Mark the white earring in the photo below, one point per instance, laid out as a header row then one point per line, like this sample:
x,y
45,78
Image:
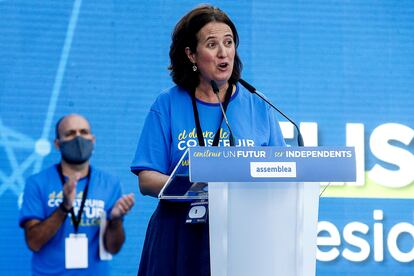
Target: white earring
x,y
194,67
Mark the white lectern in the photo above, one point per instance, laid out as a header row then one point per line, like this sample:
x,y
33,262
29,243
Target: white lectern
x,y
263,204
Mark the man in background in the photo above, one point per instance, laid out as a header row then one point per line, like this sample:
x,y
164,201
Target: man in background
x,y
72,213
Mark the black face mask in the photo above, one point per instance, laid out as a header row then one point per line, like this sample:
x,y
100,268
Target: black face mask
x,y
76,151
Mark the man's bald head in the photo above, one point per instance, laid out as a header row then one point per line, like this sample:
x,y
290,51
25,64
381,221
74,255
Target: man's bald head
x,y
72,125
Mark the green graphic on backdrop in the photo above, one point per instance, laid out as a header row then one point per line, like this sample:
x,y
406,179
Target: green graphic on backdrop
x,y
370,189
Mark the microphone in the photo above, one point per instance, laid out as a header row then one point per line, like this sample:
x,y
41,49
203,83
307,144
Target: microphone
x,y
216,91
254,91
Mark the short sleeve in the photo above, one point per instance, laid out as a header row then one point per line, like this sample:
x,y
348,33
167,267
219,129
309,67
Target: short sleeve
x,y
32,206
153,149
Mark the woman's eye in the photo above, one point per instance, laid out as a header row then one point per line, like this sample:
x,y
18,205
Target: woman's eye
x,y
228,42
211,45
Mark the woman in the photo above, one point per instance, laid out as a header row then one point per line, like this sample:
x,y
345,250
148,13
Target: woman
x,y
203,48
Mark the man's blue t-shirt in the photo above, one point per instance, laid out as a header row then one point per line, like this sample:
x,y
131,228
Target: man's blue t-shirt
x,y
43,194
170,127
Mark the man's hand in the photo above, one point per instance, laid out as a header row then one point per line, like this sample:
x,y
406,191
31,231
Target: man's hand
x,y
122,206
114,233
37,232
69,190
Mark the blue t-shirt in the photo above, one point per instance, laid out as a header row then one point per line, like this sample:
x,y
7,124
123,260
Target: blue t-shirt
x,y
43,194
170,127
168,131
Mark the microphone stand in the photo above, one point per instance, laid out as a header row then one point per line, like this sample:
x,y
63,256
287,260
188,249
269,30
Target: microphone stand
x,y
253,90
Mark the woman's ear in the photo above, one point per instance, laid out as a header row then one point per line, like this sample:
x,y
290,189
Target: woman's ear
x,y
190,55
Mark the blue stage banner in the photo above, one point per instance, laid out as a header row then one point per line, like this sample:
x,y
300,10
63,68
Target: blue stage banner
x,y
375,237
343,70
268,164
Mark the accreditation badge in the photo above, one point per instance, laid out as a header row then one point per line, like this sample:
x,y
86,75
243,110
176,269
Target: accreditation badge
x,y
103,254
76,251
198,212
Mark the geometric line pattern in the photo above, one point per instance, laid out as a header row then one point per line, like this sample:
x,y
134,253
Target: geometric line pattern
x,y
12,140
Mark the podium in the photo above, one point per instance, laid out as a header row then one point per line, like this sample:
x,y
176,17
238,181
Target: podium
x,y
263,203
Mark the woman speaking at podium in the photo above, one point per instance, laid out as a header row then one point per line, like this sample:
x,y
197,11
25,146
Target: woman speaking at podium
x,y
203,49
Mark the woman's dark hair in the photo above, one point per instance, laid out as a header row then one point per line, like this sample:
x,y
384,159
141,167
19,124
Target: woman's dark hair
x,y
185,35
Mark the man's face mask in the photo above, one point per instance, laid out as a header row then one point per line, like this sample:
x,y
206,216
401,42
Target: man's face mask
x,y
76,151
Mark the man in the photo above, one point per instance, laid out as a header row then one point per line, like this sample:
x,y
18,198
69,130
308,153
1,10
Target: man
x,y
65,205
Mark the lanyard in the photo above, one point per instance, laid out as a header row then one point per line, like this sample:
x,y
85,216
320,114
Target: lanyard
x,y
200,136
76,220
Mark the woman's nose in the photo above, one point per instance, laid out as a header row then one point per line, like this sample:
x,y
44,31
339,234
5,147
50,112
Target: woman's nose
x,y
222,52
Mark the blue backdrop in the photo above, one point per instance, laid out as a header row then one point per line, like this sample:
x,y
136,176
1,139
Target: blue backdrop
x,y
332,63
